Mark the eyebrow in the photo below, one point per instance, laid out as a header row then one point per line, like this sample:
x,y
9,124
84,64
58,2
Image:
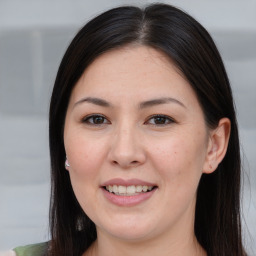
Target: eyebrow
x,y
153,102
96,101
144,104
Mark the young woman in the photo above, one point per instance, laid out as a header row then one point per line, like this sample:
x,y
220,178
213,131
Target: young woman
x,y
142,115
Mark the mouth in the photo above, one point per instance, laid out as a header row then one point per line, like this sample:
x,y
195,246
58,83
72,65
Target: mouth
x,y
131,190
128,193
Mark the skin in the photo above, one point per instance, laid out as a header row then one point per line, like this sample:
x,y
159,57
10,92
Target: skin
x,y
171,152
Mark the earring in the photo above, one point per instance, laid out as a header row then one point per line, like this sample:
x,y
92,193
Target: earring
x,y
67,163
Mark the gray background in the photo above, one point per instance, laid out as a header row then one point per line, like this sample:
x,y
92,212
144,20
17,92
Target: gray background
x,y
33,37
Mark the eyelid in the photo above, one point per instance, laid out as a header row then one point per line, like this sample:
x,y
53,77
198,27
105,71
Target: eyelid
x,y
86,118
170,119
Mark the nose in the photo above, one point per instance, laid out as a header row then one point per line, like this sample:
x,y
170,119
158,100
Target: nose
x,y
127,149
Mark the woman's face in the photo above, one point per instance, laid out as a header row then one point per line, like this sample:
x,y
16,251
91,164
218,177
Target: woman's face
x,y
136,141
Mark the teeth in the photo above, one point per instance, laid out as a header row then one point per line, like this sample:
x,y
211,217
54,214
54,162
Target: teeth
x,y
129,190
115,189
138,189
121,189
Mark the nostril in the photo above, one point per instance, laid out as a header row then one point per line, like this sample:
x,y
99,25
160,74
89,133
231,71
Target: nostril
x,y
132,163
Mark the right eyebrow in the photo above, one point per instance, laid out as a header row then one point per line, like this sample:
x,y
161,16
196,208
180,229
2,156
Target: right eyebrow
x,y
159,101
96,101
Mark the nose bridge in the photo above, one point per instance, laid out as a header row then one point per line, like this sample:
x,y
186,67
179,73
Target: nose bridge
x,y
126,149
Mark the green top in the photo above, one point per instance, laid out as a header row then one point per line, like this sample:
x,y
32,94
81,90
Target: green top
x,y
32,250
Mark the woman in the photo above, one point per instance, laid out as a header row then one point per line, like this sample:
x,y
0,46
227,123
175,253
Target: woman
x,y
142,115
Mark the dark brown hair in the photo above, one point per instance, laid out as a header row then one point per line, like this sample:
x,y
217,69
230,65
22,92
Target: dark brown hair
x,y
190,47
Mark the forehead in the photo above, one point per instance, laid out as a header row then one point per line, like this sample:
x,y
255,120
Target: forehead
x,y
133,59
131,72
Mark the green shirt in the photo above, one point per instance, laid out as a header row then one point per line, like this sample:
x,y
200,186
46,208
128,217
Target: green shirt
x,y
32,250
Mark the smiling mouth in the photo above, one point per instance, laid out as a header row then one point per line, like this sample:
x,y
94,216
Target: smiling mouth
x,y
128,190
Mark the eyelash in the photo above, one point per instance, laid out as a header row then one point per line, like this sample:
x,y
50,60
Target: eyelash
x,y
87,118
94,116
166,118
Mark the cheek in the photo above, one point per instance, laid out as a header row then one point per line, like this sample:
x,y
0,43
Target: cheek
x,y
180,159
85,156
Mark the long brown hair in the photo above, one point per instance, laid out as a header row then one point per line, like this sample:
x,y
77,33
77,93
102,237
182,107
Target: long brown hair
x,y
190,47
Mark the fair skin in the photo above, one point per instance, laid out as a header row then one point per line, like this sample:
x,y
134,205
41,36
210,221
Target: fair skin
x,y
112,132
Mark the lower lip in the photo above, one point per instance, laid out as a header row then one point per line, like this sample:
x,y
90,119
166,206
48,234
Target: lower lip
x,y
127,200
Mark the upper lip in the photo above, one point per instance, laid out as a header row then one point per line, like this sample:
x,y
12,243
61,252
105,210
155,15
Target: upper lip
x,y
128,182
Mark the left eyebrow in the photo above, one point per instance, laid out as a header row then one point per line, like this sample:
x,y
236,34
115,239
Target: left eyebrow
x,y
153,102
96,101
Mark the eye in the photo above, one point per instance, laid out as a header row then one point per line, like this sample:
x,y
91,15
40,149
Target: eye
x,y
160,120
95,120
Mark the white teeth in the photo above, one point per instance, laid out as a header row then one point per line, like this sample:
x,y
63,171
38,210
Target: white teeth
x,y
121,189
138,189
129,190
109,188
115,189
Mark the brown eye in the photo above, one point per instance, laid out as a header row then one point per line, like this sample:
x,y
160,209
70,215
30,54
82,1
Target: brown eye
x,y
95,120
98,120
160,120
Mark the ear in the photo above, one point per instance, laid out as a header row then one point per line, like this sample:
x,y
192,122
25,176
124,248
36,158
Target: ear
x,y
217,145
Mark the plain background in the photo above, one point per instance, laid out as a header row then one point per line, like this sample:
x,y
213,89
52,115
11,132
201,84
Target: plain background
x,y
33,37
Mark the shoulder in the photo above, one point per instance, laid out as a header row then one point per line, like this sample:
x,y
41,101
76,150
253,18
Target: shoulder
x,y
31,250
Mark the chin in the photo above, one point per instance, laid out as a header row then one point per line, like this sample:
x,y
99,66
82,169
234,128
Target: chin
x,y
131,235
130,231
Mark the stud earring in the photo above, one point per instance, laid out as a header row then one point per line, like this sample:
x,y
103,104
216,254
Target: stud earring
x,y
67,163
